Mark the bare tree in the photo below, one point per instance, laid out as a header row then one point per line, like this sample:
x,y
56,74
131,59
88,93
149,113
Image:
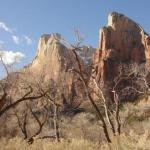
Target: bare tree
x,y
129,72
81,74
9,103
22,123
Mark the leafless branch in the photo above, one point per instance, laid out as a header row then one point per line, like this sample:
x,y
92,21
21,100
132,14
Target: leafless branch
x,y
26,97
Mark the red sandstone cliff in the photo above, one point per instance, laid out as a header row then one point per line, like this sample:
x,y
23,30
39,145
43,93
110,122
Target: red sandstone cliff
x,y
121,41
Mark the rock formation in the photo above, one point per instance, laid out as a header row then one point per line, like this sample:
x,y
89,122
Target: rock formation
x,y
121,41
51,65
53,57
49,71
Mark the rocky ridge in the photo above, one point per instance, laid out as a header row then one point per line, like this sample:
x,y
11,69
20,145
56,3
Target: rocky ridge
x,y
122,41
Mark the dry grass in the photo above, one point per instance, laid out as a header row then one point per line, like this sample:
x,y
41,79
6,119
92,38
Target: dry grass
x,y
18,144
132,141
83,132
136,117
123,142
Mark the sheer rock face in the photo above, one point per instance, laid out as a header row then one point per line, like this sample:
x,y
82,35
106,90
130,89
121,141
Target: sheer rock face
x,y
146,43
121,41
53,57
53,61
50,67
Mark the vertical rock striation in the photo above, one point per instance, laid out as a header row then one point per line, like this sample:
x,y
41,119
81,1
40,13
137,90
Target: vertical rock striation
x,y
121,41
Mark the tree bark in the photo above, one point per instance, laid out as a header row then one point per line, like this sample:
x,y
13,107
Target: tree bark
x,y
56,124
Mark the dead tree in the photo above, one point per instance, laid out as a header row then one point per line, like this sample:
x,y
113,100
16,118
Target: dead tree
x,y
22,123
112,114
105,105
56,124
28,95
81,74
23,120
25,97
10,104
51,98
